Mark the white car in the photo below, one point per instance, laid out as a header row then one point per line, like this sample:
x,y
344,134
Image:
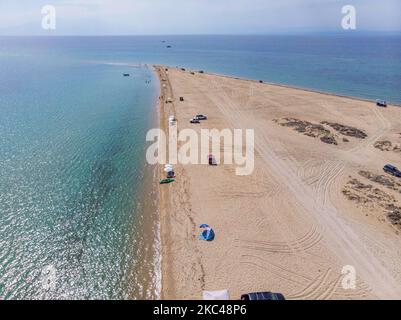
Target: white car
x,y
200,117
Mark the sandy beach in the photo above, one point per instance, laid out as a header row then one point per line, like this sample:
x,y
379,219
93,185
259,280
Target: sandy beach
x,y
317,201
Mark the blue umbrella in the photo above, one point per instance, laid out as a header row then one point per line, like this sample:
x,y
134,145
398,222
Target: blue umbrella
x,y
207,234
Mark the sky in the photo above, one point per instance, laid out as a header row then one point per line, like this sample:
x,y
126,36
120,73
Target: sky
x,y
162,17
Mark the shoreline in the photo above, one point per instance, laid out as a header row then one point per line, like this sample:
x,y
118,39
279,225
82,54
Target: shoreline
x,y
288,86
285,208
163,195
157,247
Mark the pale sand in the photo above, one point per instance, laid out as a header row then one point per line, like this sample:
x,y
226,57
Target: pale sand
x,y
287,227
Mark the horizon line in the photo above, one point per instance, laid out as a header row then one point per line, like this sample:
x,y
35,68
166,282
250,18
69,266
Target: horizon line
x,y
332,32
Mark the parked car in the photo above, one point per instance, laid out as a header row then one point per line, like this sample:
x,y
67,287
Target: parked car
x,y
194,121
212,160
381,103
392,170
200,117
172,120
262,296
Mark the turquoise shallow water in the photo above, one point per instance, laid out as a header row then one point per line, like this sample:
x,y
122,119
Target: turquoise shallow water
x,y
72,144
71,160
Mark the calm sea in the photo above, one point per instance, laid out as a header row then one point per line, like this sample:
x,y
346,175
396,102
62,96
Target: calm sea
x,y
75,219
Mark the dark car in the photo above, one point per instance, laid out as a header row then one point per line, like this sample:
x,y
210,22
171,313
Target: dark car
x,y
392,170
194,121
262,296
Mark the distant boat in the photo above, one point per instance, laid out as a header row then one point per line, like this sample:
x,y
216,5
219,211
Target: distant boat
x,y
126,74
168,47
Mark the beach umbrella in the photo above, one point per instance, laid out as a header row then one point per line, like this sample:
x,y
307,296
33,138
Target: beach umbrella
x,y
207,234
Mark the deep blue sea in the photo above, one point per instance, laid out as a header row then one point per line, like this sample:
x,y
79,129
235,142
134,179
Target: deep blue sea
x,y
74,220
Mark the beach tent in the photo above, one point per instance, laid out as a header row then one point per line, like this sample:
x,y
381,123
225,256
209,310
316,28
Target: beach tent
x,y
216,295
207,234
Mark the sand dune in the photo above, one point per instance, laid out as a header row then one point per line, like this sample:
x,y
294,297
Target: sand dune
x,y
291,226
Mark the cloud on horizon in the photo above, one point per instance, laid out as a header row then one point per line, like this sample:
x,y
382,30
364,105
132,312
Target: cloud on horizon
x,y
107,17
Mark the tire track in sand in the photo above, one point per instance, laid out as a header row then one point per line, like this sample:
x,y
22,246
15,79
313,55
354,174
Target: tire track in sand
x,y
308,241
340,238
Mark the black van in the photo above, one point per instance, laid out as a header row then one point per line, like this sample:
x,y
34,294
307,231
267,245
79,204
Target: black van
x,y
262,296
392,170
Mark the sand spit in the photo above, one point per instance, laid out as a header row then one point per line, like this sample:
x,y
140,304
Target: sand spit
x,y
289,227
